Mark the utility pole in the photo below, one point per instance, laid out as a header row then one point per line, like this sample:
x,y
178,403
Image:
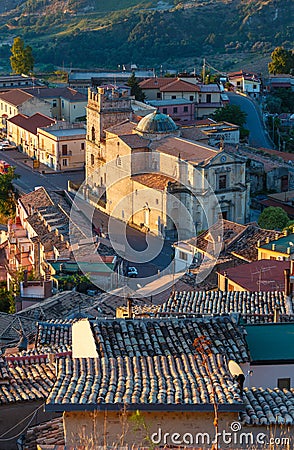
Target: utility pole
x,y
203,71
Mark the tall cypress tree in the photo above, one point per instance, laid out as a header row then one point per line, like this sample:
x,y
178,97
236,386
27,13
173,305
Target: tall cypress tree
x,y
136,90
21,59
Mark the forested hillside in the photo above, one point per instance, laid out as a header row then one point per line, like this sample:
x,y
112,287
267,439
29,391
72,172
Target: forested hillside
x,y
89,33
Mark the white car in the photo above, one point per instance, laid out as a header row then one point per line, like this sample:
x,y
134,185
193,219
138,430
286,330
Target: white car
x,y
132,272
4,145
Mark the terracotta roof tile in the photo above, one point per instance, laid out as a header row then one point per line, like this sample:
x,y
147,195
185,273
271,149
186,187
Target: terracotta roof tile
x,y
33,122
155,83
135,141
268,406
36,199
153,180
45,433
253,306
180,86
142,380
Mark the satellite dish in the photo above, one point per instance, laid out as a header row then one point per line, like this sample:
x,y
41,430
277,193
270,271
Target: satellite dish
x,y
235,369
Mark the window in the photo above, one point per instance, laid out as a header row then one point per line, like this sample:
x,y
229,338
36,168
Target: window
x,y
82,146
208,98
93,133
185,108
238,83
118,160
284,383
175,110
92,159
64,149
54,103
191,98
173,97
254,86
158,95
222,182
183,256
164,110
62,103
64,162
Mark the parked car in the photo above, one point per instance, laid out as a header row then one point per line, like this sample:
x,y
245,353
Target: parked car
x,y
132,272
4,145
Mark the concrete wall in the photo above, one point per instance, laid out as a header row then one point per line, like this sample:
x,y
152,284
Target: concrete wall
x,y
267,375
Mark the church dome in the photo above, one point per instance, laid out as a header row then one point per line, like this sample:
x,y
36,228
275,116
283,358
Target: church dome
x,y
156,123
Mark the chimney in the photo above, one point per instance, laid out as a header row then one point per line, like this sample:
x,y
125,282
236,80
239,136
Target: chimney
x,y
287,282
267,240
277,315
276,236
129,308
258,243
273,246
25,278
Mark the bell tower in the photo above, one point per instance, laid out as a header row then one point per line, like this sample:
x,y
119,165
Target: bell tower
x,y
104,109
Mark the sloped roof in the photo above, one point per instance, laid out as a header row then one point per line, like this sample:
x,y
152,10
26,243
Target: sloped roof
x,y
180,86
264,406
168,337
155,83
29,378
45,433
188,150
153,180
15,97
33,122
145,382
37,199
262,275
62,92
253,306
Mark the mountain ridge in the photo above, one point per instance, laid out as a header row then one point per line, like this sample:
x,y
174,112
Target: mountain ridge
x,y
88,33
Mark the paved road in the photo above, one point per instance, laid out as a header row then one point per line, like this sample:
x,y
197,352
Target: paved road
x,y
258,136
29,178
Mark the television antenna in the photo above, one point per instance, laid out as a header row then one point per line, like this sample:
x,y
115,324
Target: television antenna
x,y
259,273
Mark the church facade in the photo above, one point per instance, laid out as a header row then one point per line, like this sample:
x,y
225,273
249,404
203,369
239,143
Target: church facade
x,y
147,174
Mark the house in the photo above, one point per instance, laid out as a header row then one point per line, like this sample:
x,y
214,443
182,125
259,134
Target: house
x,y
225,239
25,382
62,146
262,275
66,103
281,248
82,80
17,101
181,110
164,163
272,362
279,81
175,368
247,82
206,98
8,82
22,130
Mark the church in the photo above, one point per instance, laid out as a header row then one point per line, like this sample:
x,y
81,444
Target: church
x,y
154,175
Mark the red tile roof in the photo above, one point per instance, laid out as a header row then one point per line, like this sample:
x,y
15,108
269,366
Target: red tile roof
x,y
153,180
180,86
62,92
15,97
155,83
31,124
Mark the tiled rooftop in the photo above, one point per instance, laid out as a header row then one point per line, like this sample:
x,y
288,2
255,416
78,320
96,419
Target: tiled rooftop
x,y
33,122
37,199
268,406
154,337
29,378
46,433
153,180
143,380
15,97
253,306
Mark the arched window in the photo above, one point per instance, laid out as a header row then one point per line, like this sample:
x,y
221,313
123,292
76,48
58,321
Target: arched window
x,y
93,133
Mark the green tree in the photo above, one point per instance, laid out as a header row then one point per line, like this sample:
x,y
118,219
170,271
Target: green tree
x,y
273,218
7,304
7,200
21,60
232,114
136,89
282,61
